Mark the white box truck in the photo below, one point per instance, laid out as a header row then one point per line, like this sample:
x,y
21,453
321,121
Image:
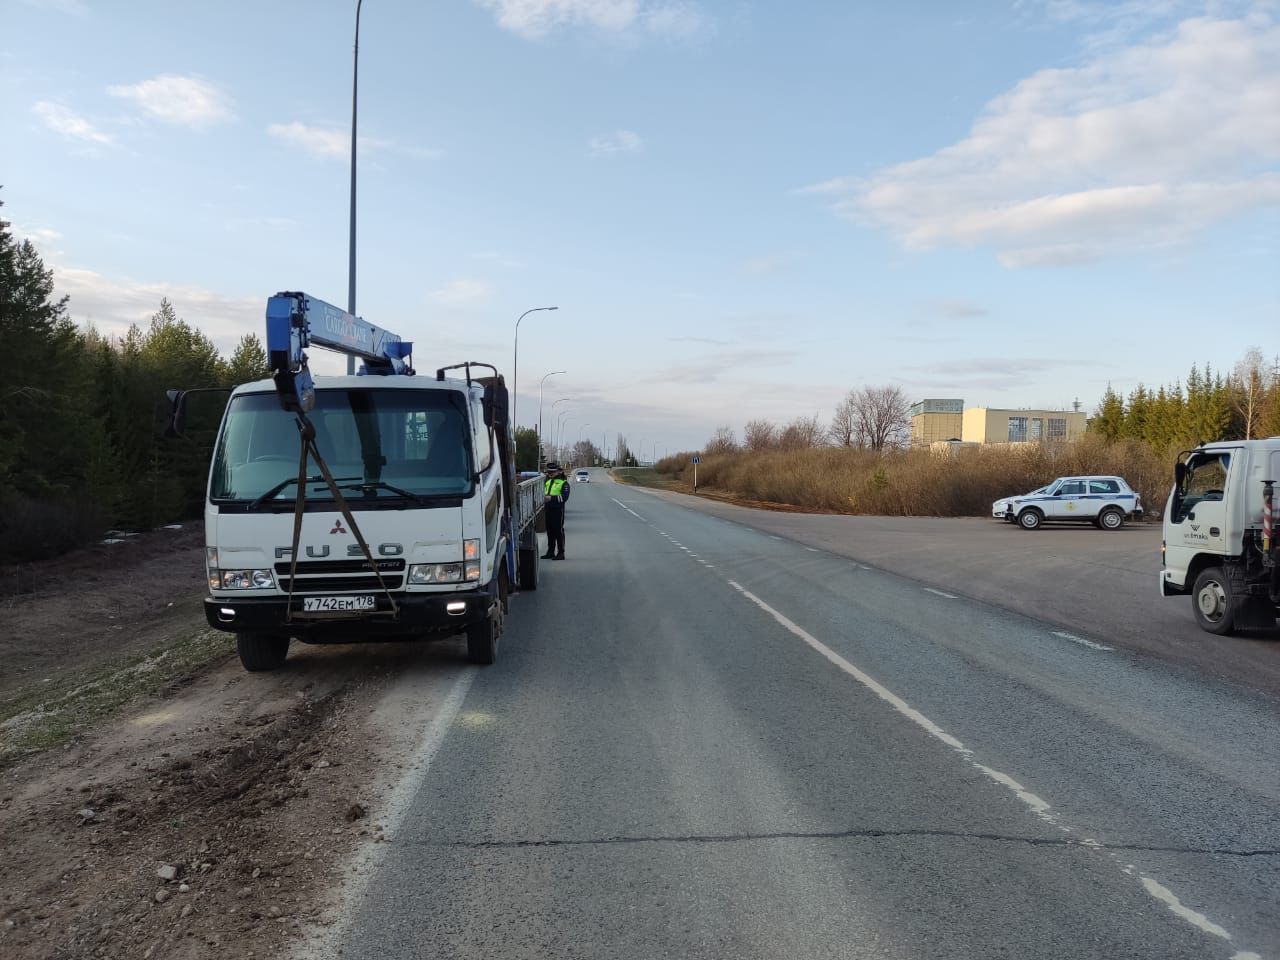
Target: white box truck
x,y
1218,543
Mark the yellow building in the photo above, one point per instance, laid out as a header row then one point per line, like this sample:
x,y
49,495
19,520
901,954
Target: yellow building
x,y
991,425
936,420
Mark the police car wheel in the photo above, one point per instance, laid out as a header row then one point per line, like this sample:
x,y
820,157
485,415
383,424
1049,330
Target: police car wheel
x,y
1212,602
1111,519
1030,519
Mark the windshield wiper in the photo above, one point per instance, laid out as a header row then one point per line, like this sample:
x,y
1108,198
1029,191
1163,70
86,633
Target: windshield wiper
x,y
255,504
369,485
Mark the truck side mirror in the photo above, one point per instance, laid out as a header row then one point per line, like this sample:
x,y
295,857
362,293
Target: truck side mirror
x,y
496,404
1179,474
177,420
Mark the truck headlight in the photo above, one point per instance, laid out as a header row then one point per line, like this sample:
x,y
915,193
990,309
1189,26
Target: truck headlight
x,y
242,580
423,573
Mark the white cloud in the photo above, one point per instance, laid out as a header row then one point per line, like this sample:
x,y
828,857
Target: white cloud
x,y
112,304
336,141
67,122
535,19
189,101
461,293
620,141
1139,147
768,264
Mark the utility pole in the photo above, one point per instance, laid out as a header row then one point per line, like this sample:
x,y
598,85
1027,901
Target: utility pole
x,y
351,245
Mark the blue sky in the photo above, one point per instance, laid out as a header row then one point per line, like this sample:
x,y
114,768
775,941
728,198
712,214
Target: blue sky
x,y
741,209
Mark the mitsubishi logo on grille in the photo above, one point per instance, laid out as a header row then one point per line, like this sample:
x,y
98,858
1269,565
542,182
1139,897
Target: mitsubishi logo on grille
x,y
337,527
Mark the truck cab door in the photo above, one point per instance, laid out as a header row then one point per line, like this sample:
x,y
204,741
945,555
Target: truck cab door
x,y
1199,520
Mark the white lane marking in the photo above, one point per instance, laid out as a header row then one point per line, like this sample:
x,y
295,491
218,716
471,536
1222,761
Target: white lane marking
x,y
1081,640
626,508
367,859
949,596
1037,805
1193,917
772,537
863,566
813,549
884,693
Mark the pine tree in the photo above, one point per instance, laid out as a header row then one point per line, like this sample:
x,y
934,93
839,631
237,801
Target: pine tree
x,y
1109,418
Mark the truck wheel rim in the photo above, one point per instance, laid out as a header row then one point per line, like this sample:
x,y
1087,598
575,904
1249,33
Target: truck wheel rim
x,y
1212,601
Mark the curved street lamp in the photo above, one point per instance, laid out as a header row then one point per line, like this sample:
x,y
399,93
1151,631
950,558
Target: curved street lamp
x,y
515,367
541,384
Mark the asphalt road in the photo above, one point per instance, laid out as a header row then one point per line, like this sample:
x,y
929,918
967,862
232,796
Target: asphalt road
x,y
1087,581
701,741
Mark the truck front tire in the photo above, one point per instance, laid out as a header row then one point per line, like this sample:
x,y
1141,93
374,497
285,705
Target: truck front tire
x,y
1213,603
262,651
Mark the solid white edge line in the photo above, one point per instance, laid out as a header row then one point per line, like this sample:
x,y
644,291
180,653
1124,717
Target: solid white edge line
x,y
941,593
364,864
1035,804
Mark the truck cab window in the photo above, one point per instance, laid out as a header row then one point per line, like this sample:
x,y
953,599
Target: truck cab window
x,y
1205,481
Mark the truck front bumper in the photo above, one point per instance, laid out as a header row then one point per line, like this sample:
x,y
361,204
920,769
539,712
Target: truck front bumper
x,y
416,614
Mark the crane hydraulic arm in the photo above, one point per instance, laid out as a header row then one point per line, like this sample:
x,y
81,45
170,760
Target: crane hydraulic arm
x,y
296,321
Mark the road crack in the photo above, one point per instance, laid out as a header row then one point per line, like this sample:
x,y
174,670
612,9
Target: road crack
x,y
862,834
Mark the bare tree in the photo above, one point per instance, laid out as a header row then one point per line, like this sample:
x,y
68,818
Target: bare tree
x,y
843,431
722,441
1249,390
880,417
759,435
801,434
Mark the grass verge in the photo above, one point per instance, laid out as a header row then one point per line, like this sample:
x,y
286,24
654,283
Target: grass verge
x,y
47,715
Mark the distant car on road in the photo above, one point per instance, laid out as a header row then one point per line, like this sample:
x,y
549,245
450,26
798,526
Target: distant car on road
x,y
582,476
1106,502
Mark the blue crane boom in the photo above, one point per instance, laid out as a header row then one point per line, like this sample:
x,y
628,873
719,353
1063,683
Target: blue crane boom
x,y
296,321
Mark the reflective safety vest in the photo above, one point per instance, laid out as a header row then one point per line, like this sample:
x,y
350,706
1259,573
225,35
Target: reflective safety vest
x,y
554,487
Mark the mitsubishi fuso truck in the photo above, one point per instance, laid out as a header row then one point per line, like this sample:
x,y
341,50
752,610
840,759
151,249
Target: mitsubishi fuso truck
x,y
371,507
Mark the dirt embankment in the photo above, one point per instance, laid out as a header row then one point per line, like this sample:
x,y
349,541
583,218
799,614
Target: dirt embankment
x,y
158,801
95,605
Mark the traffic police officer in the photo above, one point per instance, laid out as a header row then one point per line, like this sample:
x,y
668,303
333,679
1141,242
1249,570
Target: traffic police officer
x,y
555,495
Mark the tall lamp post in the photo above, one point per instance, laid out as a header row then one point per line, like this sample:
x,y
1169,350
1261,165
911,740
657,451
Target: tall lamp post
x,y
580,429
565,417
553,413
515,367
541,384
351,245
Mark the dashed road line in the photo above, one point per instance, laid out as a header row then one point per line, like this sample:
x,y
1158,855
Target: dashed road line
x,y
941,593
1092,644
1037,805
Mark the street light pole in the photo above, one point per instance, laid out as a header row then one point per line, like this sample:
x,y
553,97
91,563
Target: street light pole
x,y
515,367
565,417
541,384
351,245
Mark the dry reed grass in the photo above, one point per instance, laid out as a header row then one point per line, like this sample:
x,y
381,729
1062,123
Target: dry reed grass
x,y
921,482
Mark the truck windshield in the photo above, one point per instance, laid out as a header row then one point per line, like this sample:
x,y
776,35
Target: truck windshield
x,y
377,443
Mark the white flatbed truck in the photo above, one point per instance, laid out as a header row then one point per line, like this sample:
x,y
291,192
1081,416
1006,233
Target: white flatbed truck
x,y
371,507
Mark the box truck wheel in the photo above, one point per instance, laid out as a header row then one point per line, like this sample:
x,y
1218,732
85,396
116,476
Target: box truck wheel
x,y
1212,601
262,651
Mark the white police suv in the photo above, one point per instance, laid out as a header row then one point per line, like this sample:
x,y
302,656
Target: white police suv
x,y
1106,502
